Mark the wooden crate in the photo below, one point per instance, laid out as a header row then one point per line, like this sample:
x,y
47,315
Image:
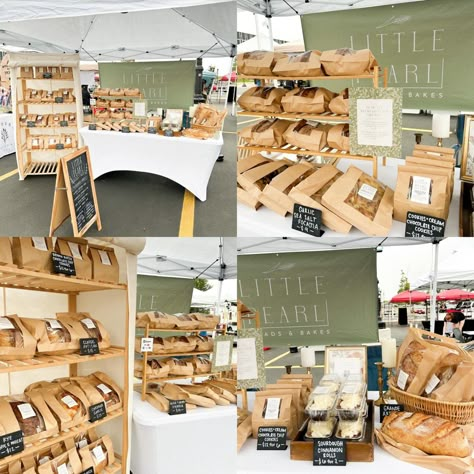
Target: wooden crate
x,y
357,451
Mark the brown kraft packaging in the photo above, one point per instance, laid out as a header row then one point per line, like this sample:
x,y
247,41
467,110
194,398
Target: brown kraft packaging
x,y
296,391
206,321
340,104
70,460
306,64
157,320
262,99
6,256
99,387
77,249
338,137
307,136
257,63
267,133
423,190
154,368
362,201
348,62
33,253
201,365
186,321
243,165
105,266
308,100
179,366
16,342
98,454
310,192
284,413
459,388
306,379
86,327
275,195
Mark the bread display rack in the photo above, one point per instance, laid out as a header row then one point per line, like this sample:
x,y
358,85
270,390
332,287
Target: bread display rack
x,y
327,117
98,107
146,355
41,143
22,279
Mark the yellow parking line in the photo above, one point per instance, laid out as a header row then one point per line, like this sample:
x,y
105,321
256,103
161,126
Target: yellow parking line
x,y
277,358
9,175
251,120
186,225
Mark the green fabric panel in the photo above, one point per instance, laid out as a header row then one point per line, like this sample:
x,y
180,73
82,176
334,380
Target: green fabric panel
x,y
165,84
427,47
312,298
170,295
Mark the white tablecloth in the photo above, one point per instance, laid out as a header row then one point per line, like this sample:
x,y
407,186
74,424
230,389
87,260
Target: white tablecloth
x,y
201,441
251,461
7,134
266,223
187,161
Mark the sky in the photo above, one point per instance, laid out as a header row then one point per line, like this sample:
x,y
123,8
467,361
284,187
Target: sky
x,y
415,260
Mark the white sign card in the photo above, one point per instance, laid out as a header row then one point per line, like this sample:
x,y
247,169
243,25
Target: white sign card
x,y
247,367
375,122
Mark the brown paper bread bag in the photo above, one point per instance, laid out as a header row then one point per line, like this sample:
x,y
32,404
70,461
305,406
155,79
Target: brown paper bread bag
x,y
306,379
33,253
273,409
98,454
267,133
105,266
157,320
262,99
186,321
297,392
154,368
257,63
308,100
205,321
310,192
306,64
179,366
16,342
340,104
6,256
175,392
69,460
348,62
77,249
338,137
307,136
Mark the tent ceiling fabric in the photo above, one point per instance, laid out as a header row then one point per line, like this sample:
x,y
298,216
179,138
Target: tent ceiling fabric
x,y
301,7
187,33
188,258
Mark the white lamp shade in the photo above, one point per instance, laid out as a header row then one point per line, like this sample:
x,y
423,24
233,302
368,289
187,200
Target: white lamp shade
x,y
440,125
308,357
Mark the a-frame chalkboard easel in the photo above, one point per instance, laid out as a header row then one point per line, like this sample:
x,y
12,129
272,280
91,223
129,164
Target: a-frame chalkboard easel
x,y
75,195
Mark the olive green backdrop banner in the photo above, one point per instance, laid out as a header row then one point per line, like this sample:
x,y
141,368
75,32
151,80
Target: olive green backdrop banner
x,y
165,84
426,46
312,298
170,295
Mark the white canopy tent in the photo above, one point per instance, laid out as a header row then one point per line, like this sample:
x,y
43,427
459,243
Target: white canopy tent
x,y
213,258
105,30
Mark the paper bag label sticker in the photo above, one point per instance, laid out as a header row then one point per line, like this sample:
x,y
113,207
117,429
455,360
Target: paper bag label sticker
x,y
5,323
402,379
368,192
104,257
39,243
26,411
272,411
74,248
420,190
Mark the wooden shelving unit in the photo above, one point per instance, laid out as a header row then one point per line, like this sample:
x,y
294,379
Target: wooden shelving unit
x,y
110,108
150,355
245,149
44,161
21,279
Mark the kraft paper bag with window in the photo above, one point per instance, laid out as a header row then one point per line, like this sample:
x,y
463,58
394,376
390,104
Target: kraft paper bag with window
x,y
275,195
98,454
77,249
307,64
273,409
338,137
85,327
243,165
157,320
307,136
340,104
266,133
179,366
362,201
69,460
33,253
244,431
16,342
348,62
98,388
459,388
154,368
309,100
262,99
310,192
258,63
305,379
423,190
105,266
205,321
297,398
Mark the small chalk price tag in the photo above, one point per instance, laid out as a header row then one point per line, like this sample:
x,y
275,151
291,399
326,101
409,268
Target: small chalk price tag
x,y
63,264
89,346
63,123
329,452
386,409
97,412
151,130
59,100
271,438
177,407
92,126
11,443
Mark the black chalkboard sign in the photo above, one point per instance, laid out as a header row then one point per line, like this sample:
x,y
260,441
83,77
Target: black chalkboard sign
x,y
63,264
125,129
11,443
59,146
89,346
63,123
30,124
92,126
271,438
47,75
177,407
307,219
89,470
386,409
59,100
151,130
422,226
97,412
329,452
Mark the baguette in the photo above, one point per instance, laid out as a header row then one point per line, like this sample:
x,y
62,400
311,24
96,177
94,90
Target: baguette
x,y
431,434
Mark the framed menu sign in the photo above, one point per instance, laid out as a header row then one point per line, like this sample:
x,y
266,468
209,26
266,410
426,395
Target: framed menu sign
x,y
222,354
250,359
344,360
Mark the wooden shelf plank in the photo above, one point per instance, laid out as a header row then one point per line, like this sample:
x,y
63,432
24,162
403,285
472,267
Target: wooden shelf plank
x,y
177,330
29,102
151,355
44,361
32,449
179,377
20,278
112,97
326,117
312,78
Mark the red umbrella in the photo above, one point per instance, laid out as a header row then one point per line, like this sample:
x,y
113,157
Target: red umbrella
x,y
410,297
455,294
233,77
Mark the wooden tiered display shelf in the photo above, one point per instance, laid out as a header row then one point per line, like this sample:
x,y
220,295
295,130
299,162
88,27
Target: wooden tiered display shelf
x,y
325,117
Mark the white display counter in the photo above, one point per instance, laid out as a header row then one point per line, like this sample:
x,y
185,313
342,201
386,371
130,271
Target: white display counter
x,y
266,223
186,161
7,134
201,441
251,461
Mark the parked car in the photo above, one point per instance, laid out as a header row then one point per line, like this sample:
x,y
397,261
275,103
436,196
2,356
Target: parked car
x,y
467,308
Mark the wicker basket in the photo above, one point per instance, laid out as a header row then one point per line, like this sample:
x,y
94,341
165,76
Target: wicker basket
x,y
458,412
